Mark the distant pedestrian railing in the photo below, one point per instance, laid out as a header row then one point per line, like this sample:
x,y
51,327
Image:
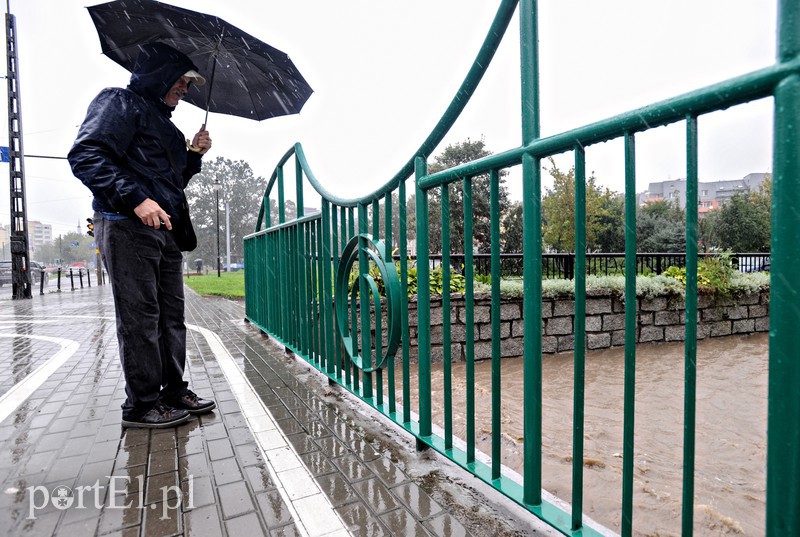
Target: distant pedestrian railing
x,y
562,265
350,320
72,277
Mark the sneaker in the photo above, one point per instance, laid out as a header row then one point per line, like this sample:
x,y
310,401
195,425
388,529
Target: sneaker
x,y
189,401
160,416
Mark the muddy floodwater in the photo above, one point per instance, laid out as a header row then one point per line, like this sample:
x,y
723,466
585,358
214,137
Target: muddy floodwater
x,y
730,470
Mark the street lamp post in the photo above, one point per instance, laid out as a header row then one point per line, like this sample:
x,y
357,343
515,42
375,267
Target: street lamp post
x,y
217,188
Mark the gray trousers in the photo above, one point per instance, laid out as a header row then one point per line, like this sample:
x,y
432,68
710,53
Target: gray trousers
x,y
145,270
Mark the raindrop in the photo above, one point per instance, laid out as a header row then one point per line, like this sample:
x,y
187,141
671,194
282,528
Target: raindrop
x,y
280,102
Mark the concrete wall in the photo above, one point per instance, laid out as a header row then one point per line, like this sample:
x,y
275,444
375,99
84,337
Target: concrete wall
x,y
659,319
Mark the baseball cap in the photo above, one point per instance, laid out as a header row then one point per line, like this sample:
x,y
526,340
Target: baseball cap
x,y
195,76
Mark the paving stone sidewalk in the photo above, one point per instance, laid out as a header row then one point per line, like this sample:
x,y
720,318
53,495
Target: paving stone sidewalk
x,y
67,468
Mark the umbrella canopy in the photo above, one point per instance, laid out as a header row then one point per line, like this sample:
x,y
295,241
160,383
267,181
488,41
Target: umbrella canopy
x,y
247,77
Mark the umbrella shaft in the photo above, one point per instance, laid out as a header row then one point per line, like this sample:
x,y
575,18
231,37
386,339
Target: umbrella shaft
x,y
211,80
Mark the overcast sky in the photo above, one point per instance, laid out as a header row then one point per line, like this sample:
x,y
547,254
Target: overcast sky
x,y
384,71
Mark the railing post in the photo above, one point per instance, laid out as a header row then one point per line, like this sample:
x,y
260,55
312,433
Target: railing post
x,y
469,320
629,390
532,255
423,302
783,415
298,172
494,212
402,215
281,201
690,347
327,280
579,354
364,305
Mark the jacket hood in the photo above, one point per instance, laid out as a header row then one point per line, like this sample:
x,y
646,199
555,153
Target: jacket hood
x,y
157,68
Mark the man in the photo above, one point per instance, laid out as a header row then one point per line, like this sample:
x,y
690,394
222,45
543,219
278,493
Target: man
x,y
135,161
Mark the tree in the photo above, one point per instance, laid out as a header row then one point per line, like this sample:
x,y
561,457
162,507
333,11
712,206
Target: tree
x,y
242,192
609,223
661,227
512,229
708,231
289,212
454,155
743,224
604,214
410,221
67,249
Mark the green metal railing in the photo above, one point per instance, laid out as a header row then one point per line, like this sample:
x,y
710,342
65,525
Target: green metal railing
x,y
333,295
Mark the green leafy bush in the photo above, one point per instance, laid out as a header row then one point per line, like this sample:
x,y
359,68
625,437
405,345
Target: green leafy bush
x,y
485,279
457,281
714,274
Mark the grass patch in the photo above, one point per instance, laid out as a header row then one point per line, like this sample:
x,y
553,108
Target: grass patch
x,y
228,284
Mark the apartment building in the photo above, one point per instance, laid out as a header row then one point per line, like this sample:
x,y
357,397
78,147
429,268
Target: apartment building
x,y
711,195
39,234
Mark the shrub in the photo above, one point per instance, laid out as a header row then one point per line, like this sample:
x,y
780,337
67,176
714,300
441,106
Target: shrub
x,y
714,274
457,282
646,286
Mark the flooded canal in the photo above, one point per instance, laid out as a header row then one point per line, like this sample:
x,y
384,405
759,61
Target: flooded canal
x,y
730,473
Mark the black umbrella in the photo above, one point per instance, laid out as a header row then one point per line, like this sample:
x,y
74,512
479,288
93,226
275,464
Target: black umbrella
x,y
247,77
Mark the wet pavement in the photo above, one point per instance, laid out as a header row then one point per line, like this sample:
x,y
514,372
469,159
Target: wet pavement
x,y
285,453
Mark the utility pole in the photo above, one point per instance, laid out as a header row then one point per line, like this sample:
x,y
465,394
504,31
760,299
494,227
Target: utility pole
x,y
18,232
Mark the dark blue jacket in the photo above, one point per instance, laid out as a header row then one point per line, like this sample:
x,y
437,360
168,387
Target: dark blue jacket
x,y
120,153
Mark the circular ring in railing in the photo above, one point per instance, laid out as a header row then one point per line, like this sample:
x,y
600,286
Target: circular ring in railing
x,y
352,305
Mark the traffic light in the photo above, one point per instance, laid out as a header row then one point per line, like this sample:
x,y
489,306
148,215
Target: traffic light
x,y
90,227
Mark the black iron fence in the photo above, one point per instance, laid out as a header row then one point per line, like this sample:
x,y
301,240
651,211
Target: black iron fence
x,y
562,265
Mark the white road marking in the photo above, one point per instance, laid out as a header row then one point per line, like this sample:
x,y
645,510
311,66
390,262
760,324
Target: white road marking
x,y
23,389
30,318
308,505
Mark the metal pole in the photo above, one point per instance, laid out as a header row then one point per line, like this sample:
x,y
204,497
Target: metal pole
x,y
532,255
18,230
228,235
216,191
423,303
783,414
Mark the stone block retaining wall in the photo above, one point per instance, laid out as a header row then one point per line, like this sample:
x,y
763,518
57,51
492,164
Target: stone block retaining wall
x,y
659,319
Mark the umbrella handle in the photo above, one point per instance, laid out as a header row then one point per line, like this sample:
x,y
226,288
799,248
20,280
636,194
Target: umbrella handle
x,y
190,147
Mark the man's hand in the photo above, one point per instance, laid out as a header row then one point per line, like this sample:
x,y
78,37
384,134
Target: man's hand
x,y
151,214
201,142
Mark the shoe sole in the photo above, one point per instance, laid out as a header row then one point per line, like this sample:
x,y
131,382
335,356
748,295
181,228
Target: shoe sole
x,y
199,411
161,425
